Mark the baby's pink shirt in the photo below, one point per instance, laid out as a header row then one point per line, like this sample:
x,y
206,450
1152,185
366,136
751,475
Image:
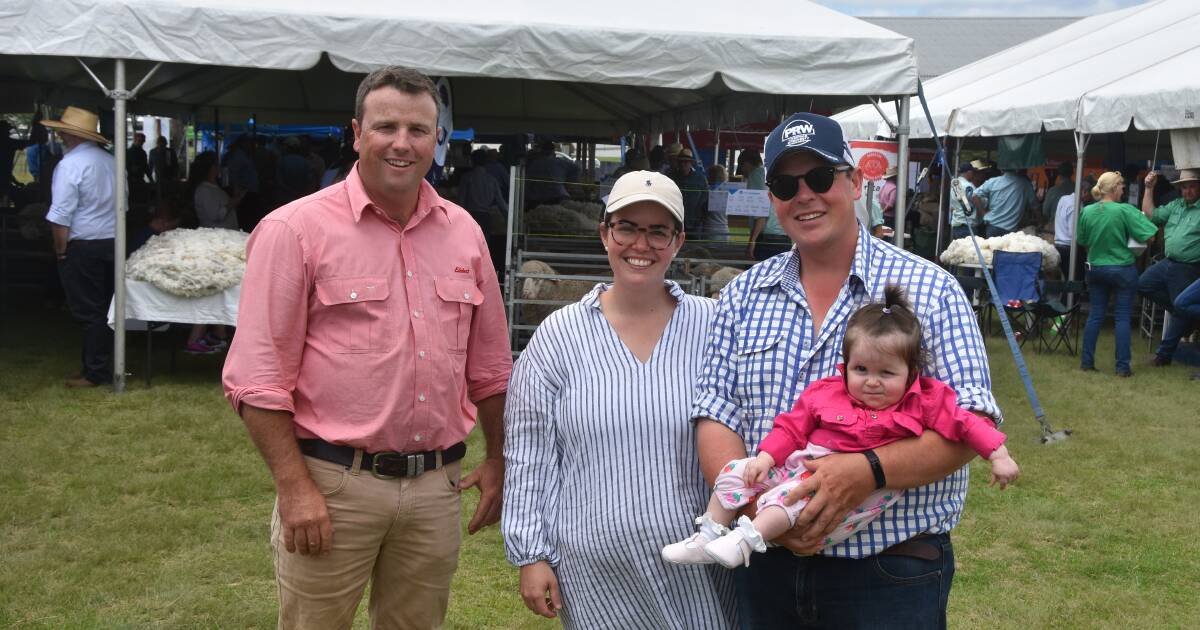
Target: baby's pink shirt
x,y
826,415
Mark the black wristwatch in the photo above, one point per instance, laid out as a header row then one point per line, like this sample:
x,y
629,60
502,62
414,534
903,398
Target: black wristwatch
x,y
876,469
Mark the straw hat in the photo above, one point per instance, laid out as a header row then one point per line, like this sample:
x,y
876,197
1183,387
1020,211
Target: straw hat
x,y
78,122
1188,175
890,172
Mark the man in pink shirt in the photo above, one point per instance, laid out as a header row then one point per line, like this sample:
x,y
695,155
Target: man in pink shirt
x,y
371,332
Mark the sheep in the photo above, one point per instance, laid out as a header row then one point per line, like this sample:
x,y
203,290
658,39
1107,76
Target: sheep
x,y
546,289
556,219
720,278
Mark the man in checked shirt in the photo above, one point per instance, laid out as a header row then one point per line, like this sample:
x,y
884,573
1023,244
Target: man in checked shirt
x,y
779,327
371,334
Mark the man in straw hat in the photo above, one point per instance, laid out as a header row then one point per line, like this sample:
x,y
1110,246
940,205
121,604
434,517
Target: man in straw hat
x,y
1166,279
83,220
694,186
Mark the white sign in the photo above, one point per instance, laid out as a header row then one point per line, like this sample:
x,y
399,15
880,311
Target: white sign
x,y
718,198
749,203
873,158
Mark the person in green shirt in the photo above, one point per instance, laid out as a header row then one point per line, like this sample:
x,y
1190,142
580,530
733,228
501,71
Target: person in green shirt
x,y
1106,228
1166,279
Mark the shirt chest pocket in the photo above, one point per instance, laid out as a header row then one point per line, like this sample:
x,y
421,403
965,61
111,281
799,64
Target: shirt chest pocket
x,y
358,314
839,417
457,299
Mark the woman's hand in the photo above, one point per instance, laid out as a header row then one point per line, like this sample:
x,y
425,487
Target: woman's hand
x,y
757,469
539,589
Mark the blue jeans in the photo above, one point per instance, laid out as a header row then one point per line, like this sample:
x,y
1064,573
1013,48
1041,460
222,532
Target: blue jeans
x,y
1188,302
959,231
1119,282
781,590
993,231
1163,282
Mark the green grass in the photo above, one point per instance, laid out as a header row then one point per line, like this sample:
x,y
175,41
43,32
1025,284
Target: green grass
x,y
150,509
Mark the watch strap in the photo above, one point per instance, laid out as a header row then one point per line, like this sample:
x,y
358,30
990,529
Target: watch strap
x,y
876,469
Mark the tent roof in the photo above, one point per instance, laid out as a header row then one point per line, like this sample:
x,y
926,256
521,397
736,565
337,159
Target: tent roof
x,y
539,63
946,43
1096,75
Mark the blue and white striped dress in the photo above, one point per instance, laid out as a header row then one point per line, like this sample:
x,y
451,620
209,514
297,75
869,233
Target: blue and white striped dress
x,y
601,469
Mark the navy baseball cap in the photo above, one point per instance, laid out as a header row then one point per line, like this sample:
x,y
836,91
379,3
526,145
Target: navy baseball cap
x,y
813,133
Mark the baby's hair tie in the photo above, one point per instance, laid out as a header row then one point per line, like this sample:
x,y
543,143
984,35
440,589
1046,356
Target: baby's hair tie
x,y
887,310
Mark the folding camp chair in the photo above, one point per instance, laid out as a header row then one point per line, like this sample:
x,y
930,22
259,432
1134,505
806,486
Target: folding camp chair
x,y
975,287
1017,280
1054,323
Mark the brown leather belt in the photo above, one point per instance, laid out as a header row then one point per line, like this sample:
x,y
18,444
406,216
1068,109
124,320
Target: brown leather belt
x,y
921,546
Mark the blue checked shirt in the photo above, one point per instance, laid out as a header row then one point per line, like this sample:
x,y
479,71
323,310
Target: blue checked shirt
x,y
762,353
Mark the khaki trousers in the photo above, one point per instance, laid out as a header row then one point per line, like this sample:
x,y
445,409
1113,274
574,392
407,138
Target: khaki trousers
x,y
401,534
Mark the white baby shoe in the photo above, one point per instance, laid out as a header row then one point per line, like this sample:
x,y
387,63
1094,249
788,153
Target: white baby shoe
x,y
734,549
691,549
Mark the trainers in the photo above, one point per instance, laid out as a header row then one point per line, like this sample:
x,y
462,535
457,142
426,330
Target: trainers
x,y
215,343
1160,361
733,549
198,347
688,551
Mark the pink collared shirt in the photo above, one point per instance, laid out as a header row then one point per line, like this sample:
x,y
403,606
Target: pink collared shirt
x,y
826,415
373,335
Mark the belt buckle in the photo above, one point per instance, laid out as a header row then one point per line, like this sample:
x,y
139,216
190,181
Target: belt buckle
x,y
415,465
412,466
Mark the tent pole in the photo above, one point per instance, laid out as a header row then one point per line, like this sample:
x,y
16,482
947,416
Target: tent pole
x,y
943,204
516,203
120,98
1081,142
902,129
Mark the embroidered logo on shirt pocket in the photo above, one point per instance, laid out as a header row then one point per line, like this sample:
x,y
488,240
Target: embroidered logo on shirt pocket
x,y
840,416
458,298
359,314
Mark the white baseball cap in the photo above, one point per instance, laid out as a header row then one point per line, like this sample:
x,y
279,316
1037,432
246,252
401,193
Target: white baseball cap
x,y
638,186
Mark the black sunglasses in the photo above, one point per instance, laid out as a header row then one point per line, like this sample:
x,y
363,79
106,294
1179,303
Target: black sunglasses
x,y
819,180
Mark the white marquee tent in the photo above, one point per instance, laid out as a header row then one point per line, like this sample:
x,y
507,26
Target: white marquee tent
x,y
532,65
528,65
1096,75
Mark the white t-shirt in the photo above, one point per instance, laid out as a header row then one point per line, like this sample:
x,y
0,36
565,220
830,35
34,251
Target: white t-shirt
x,y
213,208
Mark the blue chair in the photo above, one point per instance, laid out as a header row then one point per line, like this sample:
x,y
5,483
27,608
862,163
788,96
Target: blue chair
x,y
1018,277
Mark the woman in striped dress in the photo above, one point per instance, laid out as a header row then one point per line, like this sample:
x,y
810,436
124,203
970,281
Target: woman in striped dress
x,y
601,466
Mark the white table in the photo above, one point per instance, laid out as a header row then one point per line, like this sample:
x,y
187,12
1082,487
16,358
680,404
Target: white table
x,y
145,303
151,309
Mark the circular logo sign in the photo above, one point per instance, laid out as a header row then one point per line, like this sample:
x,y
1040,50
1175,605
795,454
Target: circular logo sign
x,y
873,165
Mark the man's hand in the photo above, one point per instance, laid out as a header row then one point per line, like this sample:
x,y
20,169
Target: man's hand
x,y
539,589
304,519
488,476
840,482
1151,178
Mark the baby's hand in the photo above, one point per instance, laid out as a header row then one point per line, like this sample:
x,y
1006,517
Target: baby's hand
x,y
1004,468
756,471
